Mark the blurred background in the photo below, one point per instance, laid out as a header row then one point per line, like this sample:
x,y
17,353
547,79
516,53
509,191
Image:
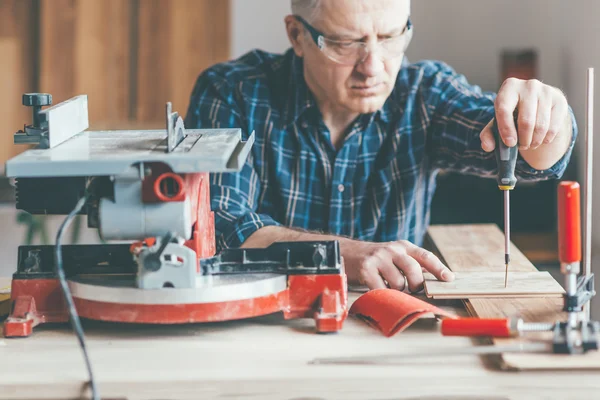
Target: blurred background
x,y
131,56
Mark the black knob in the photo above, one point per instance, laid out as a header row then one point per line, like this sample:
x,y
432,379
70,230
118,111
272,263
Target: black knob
x,y
37,99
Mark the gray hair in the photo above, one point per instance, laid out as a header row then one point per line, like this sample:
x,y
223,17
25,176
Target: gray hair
x,y
307,9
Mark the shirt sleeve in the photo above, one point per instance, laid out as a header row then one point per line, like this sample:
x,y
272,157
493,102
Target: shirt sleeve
x,y
458,112
234,195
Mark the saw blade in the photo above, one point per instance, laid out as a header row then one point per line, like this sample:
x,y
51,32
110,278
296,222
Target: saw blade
x,y
175,129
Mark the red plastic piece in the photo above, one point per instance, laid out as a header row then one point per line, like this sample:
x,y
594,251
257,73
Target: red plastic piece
x,y
569,223
159,187
203,230
392,311
476,327
322,297
34,301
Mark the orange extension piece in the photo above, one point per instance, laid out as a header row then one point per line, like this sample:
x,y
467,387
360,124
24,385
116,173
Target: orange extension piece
x,y
569,225
392,311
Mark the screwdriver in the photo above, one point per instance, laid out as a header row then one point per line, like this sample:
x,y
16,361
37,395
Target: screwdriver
x,y
506,157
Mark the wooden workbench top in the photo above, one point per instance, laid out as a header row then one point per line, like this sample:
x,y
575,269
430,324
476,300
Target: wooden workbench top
x,y
263,358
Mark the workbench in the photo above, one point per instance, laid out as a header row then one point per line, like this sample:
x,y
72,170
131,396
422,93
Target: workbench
x,y
270,358
263,358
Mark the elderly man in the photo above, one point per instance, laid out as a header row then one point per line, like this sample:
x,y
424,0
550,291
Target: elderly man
x,y
350,137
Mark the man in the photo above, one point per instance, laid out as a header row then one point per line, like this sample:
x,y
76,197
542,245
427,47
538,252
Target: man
x,y
350,138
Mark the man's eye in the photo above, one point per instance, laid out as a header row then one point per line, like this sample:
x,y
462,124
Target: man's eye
x,y
345,45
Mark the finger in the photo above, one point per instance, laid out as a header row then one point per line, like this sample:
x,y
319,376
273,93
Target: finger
x,y
544,111
528,104
487,138
412,270
430,262
369,275
505,105
558,120
392,275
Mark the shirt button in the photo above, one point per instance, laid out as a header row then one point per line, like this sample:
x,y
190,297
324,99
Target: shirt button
x,y
341,188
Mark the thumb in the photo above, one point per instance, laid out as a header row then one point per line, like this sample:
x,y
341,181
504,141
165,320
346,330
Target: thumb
x,y
488,143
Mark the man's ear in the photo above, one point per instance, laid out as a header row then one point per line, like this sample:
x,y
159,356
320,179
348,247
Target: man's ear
x,y
295,32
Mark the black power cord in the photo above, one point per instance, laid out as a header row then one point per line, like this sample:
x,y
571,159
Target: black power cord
x,y
74,318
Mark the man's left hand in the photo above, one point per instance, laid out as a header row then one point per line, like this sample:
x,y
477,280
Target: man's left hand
x,y
543,123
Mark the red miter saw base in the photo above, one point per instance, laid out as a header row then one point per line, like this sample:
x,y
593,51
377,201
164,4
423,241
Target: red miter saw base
x,y
322,297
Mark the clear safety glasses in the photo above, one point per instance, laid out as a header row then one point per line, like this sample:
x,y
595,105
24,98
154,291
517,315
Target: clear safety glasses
x,y
349,52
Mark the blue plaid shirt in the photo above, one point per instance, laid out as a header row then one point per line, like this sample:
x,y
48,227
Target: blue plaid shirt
x,y
378,186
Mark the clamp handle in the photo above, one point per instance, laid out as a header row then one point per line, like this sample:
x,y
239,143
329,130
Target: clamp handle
x,y
569,222
506,157
476,327
37,101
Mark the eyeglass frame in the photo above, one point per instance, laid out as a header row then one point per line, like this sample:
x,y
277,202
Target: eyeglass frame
x,y
319,37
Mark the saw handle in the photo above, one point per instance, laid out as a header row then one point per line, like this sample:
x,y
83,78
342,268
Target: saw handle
x,y
569,223
476,327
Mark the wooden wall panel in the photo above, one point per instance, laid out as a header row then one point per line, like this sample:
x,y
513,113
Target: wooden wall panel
x,y
17,69
177,40
85,48
129,56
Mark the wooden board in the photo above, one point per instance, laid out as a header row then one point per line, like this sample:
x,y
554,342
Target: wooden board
x,y
471,247
83,53
176,41
17,70
487,284
263,358
4,297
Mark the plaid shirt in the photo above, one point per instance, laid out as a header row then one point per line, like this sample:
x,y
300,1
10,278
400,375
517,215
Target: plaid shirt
x,y
378,186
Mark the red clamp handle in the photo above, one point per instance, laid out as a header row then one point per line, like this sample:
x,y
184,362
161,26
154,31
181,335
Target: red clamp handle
x,y
569,223
476,327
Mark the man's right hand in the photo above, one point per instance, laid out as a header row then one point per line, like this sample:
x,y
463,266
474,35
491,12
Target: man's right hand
x,y
374,264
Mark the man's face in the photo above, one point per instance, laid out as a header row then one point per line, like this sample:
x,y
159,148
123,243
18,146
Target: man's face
x,y
365,86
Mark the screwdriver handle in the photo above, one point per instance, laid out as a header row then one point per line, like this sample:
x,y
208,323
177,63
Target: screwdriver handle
x,y
569,222
476,327
506,157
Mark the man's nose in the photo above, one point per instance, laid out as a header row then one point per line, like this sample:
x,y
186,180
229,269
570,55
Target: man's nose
x,y
372,65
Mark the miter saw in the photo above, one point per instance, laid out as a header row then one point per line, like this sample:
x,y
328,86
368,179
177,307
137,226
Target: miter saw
x,y
147,193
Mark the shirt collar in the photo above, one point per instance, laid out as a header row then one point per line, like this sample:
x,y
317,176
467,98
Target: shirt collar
x,y
299,98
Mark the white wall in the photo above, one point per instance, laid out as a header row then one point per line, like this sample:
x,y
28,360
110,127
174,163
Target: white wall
x,y
470,34
581,50
259,24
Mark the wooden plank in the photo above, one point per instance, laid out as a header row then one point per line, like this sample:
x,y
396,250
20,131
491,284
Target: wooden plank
x,y
465,248
10,96
4,296
17,69
102,57
81,53
475,248
57,48
486,284
177,40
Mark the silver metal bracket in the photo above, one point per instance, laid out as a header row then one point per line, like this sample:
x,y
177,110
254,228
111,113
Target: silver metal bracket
x,y
55,124
175,129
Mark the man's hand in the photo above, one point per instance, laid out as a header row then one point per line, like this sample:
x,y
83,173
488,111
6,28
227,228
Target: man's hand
x,y
543,124
370,264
